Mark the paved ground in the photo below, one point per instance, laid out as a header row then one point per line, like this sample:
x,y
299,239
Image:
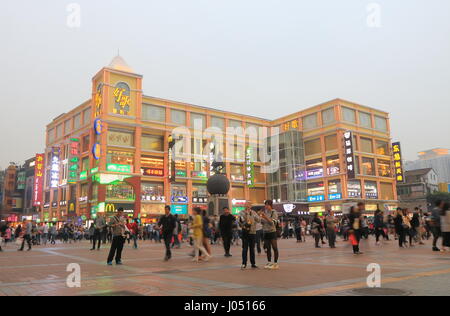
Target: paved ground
x,y
304,271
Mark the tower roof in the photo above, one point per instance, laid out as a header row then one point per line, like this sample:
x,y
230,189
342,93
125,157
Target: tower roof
x,y
118,63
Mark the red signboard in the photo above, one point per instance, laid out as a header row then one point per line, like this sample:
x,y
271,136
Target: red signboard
x,y
153,172
38,180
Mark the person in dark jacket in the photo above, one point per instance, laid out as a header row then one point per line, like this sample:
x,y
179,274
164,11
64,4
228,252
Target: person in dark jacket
x,y
378,225
226,229
399,228
316,229
167,224
355,218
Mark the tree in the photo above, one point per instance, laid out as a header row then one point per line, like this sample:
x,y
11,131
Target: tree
x,y
433,197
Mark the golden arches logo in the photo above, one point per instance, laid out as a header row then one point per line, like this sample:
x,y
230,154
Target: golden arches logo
x,y
110,208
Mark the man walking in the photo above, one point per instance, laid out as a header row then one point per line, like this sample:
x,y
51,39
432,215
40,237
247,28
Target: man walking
x,y
167,225
226,229
435,223
330,224
27,236
99,224
117,224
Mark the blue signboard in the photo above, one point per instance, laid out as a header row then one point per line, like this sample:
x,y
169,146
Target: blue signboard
x,y
316,198
179,209
335,196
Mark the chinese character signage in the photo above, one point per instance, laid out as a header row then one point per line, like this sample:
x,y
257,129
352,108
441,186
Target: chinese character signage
x,y
54,168
249,167
21,180
153,172
316,198
122,99
398,163
349,155
290,125
98,100
38,179
73,160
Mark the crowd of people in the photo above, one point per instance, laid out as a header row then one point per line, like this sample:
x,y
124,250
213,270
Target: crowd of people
x,y
256,229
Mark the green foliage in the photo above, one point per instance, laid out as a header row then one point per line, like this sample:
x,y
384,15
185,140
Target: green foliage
x,y
443,196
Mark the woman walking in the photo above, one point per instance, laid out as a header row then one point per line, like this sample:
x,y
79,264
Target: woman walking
x,y
316,229
445,226
400,228
354,219
269,220
197,228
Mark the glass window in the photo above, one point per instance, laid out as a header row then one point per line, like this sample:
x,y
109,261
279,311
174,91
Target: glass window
x,y
316,188
371,189
152,142
67,127
234,123
85,164
310,121
354,188
153,113
178,117
366,145
87,116
384,168
314,169
333,165
313,147
152,192
218,122
328,116
368,166
238,193
331,142
334,186
86,146
120,157
257,195
365,120
237,172
59,131
198,121
259,176
77,121
382,148
120,138
380,123
199,191
121,191
349,115
51,135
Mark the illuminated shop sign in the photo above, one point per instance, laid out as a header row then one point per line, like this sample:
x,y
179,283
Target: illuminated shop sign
x,y
316,198
21,180
179,209
314,173
94,170
122,99
335,196
333,171
54,168
98,100
54,204
153,172
398,162
104,178
113,167
153,198
180,199
96,151
98,127
290,125
200,200
249,167
38,179
73,160
181,173
83,175
349,155
199,174
236,210
289,208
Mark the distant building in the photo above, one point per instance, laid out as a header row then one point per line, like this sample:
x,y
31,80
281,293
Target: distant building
x,y
418,184
438,159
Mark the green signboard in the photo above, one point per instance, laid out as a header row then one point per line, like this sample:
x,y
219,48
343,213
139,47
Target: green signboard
x,y
112,167
236,210
181,173
83,175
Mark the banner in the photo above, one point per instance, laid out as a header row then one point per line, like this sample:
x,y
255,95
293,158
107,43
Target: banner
x,y
38,179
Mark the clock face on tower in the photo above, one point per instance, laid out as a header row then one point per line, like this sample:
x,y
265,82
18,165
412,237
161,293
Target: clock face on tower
x,y
122,99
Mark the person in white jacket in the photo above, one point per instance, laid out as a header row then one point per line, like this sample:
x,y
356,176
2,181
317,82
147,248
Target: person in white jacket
x,y
445,226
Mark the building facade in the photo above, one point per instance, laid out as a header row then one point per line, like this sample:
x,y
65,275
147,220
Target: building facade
x,y
418,184
113,151
438,159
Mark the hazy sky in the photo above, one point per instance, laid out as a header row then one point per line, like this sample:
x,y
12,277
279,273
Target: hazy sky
x,y
258,57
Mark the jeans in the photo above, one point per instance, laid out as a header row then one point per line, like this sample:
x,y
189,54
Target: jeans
x,y
248,243
45,238
97,237
259,239
331,233
227,242
116,249
26,238
167,241
436,231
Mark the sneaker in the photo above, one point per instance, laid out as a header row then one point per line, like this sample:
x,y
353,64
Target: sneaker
x,y
275,266
254,266
268,265
119,263
436,249
109,263
243,267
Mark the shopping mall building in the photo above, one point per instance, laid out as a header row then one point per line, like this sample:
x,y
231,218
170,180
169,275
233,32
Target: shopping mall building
x,y
113,151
